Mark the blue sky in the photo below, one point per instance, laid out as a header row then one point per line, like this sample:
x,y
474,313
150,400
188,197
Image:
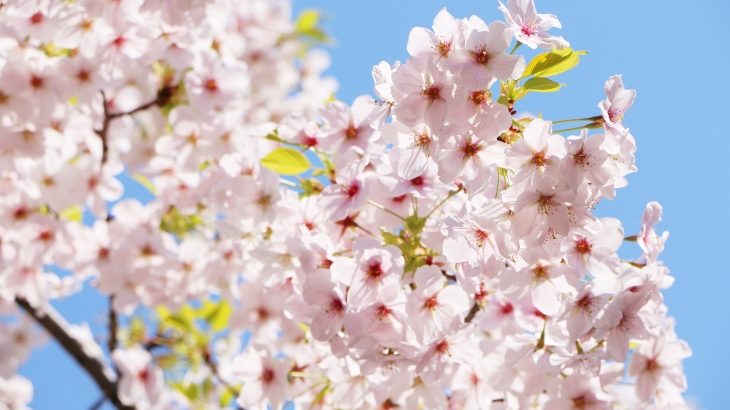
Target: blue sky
x,y
673,52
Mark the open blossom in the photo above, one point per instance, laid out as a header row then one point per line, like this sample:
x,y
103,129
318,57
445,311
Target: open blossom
x,y
348,127
542,211
422,92
265,245
595,250
657,364
348,195
433,305
485,55
617,104
621,322
141,382
376,267
264,378
440,43
539,151
579,391
530,27
329,300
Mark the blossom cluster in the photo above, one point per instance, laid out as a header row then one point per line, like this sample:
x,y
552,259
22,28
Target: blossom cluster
x,y
441,253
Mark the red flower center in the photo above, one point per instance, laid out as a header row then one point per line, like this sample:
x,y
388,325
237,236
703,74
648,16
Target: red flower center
x,y
431,303
267,375
481,56
431,93
351,132
582,246
374,271
211,85
37,18
418,181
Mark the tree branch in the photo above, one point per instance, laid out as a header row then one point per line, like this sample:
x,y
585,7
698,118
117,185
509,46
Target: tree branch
x,y
163,97
57,327
113,324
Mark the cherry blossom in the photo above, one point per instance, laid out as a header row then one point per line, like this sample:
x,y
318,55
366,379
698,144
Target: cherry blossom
x,y
617,104
263,244
141,382
530,27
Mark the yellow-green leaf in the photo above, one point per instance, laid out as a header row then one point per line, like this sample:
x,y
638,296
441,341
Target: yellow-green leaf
x,y
175,222
541,85
145,182
51,50
219,319
286,161
72,214
553,62
136,332
307,25
307,20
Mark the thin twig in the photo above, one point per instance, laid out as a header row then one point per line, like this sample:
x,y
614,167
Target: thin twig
x,y
571,129
475,308
575,120
57,327
443,201
384,209
357,225
163,96
98,403
214,370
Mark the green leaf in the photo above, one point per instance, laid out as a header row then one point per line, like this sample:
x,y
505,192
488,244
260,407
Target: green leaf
x,y
542,85
415,224
553,62
319,398
274,136
51,50
136,332
216,314
286,161
72,214
310,187
225,398
307,25
145,182
175,222
307,20
183,319
390,238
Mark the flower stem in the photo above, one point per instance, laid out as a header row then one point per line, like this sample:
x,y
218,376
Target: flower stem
x,y
384,209
571,129
575,120
443,201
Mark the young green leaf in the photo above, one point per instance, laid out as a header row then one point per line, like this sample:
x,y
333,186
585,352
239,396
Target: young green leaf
x,y
73,213
553,63
286,161
308,25
145,182
542,85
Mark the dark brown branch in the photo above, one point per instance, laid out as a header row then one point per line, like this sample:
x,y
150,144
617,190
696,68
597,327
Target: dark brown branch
x,y
57,327
113,324
475,308
104,130
162,98
214,370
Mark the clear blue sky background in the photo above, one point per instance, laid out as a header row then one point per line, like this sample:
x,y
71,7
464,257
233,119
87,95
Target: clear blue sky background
x,y
675,53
